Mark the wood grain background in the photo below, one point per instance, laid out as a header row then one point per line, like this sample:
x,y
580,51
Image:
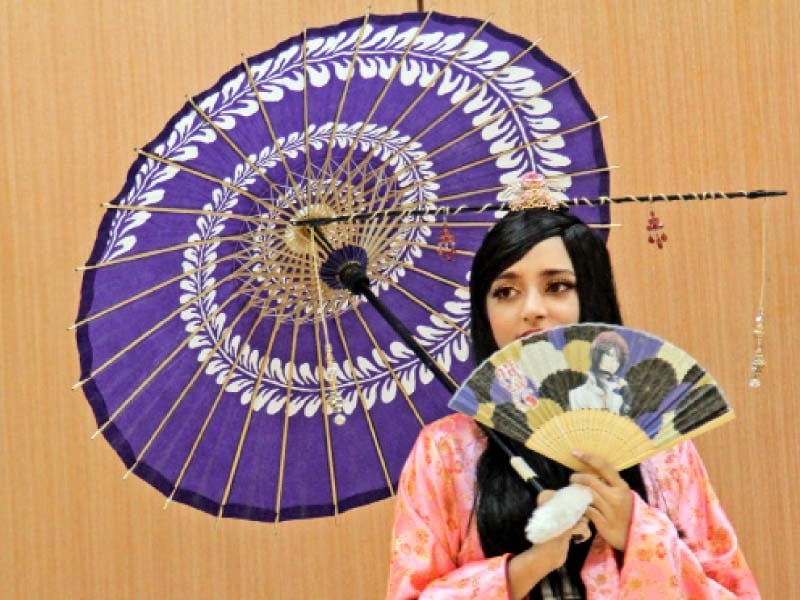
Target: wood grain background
x,y
701,95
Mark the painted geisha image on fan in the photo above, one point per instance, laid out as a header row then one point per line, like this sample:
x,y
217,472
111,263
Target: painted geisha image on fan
x,y
653,530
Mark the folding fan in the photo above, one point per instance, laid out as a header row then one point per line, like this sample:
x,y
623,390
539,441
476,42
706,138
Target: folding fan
x,y
616,392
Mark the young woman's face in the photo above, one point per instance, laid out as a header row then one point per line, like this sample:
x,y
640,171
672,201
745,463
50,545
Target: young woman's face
x,y
537,292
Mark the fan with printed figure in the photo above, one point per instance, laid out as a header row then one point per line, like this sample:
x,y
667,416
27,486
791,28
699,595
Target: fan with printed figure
x,y
619,393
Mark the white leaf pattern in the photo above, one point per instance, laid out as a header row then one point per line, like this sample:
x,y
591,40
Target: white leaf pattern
x,y
329,57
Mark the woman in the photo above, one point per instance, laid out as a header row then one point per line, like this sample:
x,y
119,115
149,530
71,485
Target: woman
x,y
657,530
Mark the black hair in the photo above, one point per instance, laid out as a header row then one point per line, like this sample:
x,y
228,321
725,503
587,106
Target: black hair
x,y
503,501
605,341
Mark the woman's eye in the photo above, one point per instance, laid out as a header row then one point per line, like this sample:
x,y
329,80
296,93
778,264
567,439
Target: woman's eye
x,y
503,292
559,286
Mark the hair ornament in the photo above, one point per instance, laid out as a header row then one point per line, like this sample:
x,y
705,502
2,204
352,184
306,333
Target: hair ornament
x,y
532,190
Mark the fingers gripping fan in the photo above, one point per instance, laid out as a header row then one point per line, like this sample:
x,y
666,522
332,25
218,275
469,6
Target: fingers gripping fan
x,y
620,393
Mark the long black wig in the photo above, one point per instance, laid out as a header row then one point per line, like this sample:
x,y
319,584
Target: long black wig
x,y
504,502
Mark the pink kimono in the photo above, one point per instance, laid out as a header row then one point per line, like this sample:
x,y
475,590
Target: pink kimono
x,y
436,552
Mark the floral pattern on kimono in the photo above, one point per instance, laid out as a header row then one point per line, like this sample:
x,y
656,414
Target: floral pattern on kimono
x,y
680,543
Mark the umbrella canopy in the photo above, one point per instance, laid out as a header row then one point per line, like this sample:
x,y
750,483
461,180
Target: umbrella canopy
x,y
223,355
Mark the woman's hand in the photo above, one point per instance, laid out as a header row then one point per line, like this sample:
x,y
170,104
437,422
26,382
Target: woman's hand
x,y
526,569
612,503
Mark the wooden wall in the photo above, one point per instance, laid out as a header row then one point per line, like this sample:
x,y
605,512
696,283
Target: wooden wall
x,y
701,95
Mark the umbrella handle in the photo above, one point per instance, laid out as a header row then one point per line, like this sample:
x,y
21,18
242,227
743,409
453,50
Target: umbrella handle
x,y
355,279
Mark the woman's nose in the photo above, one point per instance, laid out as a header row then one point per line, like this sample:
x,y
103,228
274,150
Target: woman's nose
x,y
533,307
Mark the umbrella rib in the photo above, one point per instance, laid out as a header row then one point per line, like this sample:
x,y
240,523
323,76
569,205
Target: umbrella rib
x,y
357,218
439,278
417,300
491,223
250,411
416,137
198,371
419,97
241,153
164,250
202,175
213,409
160,367
350,69
192,211
376,104
390,229
432,247
362,401
160,324
475,89
371,237
488,190
490,206
306,129
268,122
428,155
289,384
323,397
385,360
308,172
155,288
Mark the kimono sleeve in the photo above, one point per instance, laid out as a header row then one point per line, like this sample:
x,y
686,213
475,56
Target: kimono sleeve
x,y
685,545
430,526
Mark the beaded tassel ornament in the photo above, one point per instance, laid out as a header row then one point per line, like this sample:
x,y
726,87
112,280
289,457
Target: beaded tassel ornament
x,y
655,233
758,363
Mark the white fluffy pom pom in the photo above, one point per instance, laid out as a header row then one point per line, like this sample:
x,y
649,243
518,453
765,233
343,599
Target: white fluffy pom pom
x,y
558,514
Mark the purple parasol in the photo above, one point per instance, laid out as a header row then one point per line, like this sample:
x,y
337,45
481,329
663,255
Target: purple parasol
x,y
223,354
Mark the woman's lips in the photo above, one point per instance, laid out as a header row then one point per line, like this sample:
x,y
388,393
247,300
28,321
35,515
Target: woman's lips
x,y
529,332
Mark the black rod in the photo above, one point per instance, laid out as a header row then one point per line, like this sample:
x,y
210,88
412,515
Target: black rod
x,y
355,279
568,203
